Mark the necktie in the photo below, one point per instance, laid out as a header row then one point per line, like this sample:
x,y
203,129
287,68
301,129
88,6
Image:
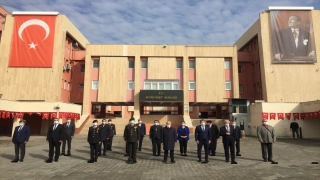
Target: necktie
x,y
68,124
227,128
202,128
294,33
19,128
54,127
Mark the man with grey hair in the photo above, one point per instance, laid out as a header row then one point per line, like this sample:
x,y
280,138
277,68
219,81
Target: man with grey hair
x,y
228,139
20,138
266,136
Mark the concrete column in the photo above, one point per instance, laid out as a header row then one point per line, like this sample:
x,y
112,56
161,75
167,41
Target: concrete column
x,y
218,112
103,111
136,113
185,61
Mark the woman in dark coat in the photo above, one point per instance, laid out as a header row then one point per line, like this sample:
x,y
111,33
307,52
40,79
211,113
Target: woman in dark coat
x,y
168,139
183,138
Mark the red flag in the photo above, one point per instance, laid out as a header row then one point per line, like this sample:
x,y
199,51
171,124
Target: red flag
x,y
288,116
302,116
61,115
12,115
3,114
44,116
306,115
20,115
280,116
8,115
30,113
311,115
296,116
67,115
39,114
32,41
315,115
273,116
265,116
72,115
53,115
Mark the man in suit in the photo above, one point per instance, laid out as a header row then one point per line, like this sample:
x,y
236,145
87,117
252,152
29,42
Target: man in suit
x,y
266,136
105,132
238,137
127,146
214,137
94,140
155,136
132,136
69,128
228,140
112,134
55,136
142,127
294,127
168,140
202,135
20,138
293,41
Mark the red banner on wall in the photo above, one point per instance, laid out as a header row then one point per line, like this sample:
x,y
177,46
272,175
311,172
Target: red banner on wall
x,y
265,116
280,116
288,116
32,41
296,116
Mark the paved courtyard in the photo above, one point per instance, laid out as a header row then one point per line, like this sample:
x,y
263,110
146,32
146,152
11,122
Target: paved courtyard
x,y
294,157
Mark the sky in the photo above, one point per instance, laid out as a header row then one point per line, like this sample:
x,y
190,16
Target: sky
x,y
214,22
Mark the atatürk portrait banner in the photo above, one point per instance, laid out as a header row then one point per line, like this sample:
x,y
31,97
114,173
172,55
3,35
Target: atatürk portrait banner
x,y
293,37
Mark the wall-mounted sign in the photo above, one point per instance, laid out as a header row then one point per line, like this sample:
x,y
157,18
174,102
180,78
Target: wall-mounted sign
x,y
161,95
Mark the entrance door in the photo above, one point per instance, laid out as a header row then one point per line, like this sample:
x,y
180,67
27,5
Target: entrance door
x,y
243,121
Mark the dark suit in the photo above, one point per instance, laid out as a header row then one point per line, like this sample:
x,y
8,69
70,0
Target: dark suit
x,y
203,136
214,136
155,135
111,134
169,139
228,142
54,136
105,132
294,126
142,134
284,43
132,136
238,136
94,137
20,135
68,132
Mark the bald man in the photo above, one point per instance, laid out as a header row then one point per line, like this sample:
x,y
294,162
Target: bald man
x,y
228,140
168,139
266,136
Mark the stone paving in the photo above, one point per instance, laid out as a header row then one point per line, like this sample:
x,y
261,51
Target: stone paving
x,y
294,157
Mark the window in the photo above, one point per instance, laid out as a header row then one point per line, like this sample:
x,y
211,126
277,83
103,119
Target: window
x,y
95,64
95,108
64,84
192,64
81,86
82,68
241,88
131,64
130,85
144,64
179,64
95,84
228,85
192,85
239,69
227,64
161,85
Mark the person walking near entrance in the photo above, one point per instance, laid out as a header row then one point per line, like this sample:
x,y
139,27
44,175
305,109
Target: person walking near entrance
x,y
294,127
214,137
183,138
69,129
155,136
132,136
142,127
228,140
168,140
112,134
55,136
203,138
20,139
266,136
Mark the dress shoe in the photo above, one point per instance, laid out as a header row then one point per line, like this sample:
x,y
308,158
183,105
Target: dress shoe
x,y
199,160
126,155
21,160
265,160
91,161
185,155
270,160
139,149
134,161
98,154
238,154
205,162
67,155
110,149
95,160
49,161
56,160
62,153
227,160
234,162
173,161
104,154
129,161
15,160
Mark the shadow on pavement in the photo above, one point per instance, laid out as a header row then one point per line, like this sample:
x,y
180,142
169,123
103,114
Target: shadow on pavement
x,y
8,156
83,151
39,156
76,157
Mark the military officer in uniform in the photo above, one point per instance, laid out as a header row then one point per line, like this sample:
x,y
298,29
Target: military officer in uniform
x,y
132,136
94,139
112,133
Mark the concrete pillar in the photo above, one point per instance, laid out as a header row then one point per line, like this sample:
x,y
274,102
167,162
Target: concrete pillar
x,y
136,112
103,111
218,112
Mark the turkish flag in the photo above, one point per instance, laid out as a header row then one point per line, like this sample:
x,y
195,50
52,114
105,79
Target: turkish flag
x,y
53,115
39,114
296,116
30,113
3,114
311,115
280,116
265,116
8,115
44,116
315,115
273,116
32,41
302,116
61,115
306,115
20,115
288,116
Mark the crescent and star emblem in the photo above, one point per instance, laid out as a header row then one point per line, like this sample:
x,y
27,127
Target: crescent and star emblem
x,y
30,22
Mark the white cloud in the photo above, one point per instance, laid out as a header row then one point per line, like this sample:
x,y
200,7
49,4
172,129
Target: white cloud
x,y
158,22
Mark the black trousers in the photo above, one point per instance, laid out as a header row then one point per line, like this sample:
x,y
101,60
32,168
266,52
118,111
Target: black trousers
x,y
156,144
295,131
127,148
213,147
266,149
110,143
238,147
183,146
229,145
66,140
171,154
54,145
94,151
20,147
104,143
206,149
132,149
140,142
